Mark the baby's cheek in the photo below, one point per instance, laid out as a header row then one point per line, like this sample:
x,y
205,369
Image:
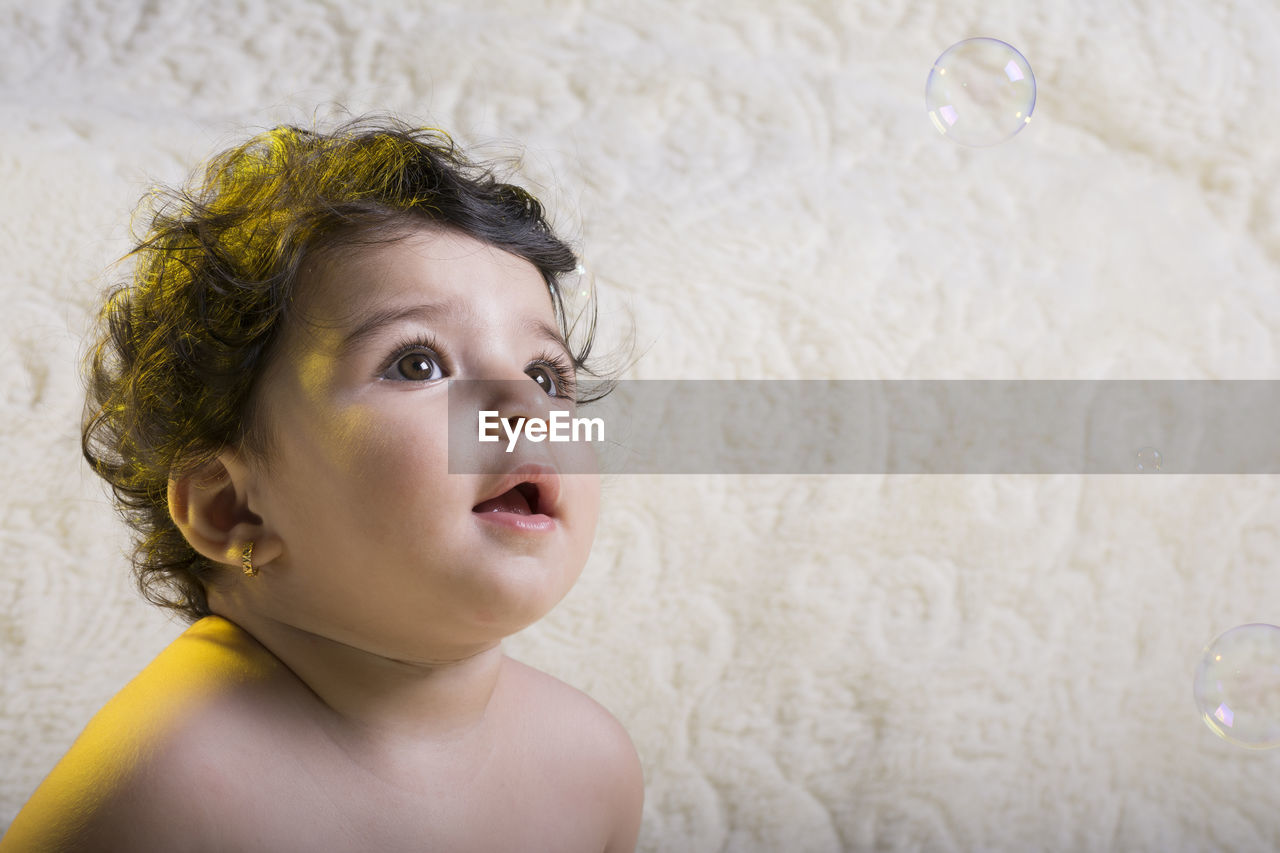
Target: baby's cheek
x,y
400,448
585,509
405,489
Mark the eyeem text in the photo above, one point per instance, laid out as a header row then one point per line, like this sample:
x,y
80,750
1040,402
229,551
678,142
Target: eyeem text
x,y
559,427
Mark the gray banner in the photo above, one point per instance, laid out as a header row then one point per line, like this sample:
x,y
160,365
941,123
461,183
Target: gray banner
x,y
885,427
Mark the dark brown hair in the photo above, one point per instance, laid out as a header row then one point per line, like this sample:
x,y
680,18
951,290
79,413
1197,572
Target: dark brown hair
x,y
181,345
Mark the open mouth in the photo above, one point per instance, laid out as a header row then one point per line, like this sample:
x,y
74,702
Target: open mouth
x,y
525,500
521,499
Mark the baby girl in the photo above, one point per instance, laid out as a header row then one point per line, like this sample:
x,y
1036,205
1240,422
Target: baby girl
x,y
269,403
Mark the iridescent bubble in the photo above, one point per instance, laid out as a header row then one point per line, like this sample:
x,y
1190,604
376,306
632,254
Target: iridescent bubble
x,y
1149,460
980,92
580,271
1237,686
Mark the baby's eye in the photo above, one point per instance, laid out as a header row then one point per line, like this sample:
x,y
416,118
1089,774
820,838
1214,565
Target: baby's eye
x,y
547,378
415,366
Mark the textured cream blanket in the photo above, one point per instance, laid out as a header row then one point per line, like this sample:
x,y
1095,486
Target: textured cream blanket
x,y
816,663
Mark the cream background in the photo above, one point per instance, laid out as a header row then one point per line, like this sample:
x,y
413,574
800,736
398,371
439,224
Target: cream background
x,y
805,664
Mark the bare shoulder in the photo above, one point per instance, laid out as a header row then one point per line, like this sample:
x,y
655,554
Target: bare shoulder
x,y
590,748
565,712
127,781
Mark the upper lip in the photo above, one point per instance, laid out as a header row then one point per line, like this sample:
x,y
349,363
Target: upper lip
x,y
544,479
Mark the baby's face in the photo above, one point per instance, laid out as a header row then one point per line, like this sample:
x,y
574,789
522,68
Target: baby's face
x,y
383,548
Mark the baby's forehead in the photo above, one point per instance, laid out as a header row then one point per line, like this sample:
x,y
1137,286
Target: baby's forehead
x,y
436,276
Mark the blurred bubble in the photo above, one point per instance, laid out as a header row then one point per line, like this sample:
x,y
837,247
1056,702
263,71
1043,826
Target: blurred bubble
x,y
1149,460
980,92
1237,686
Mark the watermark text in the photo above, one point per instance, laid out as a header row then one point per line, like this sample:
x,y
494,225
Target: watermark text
x,y
559,427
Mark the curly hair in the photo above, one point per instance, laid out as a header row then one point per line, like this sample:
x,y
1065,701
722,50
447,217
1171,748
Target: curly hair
x,y
171,376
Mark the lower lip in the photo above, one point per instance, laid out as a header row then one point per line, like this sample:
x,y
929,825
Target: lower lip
x,y
514,521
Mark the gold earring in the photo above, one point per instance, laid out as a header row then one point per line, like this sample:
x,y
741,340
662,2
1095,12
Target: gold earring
x,y
246,560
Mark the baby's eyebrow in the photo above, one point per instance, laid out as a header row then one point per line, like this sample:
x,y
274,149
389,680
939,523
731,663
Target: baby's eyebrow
x,y
432,312
549,333
378,320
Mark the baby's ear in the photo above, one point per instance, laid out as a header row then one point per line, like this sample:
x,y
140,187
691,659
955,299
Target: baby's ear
x,y
210,505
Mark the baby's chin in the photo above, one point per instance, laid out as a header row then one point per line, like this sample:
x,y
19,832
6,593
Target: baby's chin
x,y
523,605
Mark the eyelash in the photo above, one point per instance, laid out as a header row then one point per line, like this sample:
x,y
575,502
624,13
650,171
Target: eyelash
x,y
562,370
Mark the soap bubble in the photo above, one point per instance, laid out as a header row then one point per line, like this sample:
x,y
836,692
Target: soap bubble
x,y
1237,686
1149,460
980,92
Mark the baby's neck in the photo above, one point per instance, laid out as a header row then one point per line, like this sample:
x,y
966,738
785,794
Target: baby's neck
x,y
386,712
